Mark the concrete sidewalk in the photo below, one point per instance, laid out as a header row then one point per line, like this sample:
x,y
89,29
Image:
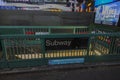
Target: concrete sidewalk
x,y
101,71
58,67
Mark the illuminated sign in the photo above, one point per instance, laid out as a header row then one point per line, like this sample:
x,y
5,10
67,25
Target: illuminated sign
x,y
99,2
66,61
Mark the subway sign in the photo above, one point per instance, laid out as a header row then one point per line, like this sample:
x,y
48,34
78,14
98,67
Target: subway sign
x,y
66,43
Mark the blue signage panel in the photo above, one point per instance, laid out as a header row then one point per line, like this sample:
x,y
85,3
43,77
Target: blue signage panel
x,y
8,7
100,2
66,61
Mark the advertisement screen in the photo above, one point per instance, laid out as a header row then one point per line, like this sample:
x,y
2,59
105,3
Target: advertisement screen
x,y
108,14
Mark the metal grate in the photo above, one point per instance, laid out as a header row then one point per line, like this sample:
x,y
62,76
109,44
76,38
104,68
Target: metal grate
x,y
23,48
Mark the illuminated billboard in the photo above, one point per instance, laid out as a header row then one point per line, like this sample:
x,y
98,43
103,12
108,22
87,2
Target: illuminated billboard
x,y
108,14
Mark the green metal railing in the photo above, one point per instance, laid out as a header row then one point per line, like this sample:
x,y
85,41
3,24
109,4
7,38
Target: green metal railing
x,y
37,30
30,50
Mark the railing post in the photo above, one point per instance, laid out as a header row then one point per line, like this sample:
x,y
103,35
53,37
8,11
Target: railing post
x,y
74,30
43,51
88,48
4,55
49,30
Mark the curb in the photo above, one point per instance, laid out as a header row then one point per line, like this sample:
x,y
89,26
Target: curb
x,y
58,67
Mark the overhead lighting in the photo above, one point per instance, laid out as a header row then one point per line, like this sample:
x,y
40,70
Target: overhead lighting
x,y
89,4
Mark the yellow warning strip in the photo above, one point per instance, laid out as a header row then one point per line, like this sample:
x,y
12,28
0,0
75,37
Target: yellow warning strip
x,y
51,54
56,54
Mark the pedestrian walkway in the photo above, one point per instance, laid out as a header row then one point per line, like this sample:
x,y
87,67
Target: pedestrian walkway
x,y
39,7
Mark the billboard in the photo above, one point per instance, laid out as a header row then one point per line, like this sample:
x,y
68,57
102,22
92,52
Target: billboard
x,y
108,14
